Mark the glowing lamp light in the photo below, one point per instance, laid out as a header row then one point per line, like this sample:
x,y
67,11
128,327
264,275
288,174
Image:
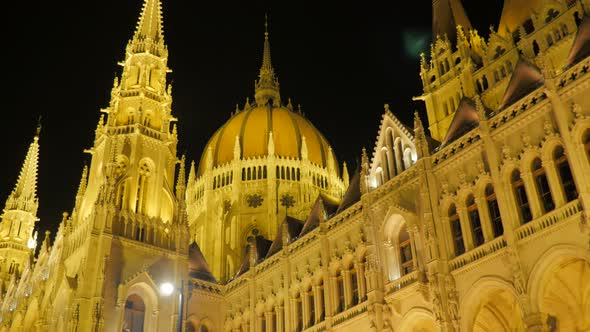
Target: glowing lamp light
x,y
166,289
31,244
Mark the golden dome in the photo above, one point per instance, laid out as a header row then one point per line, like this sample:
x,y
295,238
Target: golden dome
x,y
253,127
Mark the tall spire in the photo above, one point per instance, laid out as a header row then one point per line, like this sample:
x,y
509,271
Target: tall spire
x,y
149,33
24,195
267,87
446,16
150,22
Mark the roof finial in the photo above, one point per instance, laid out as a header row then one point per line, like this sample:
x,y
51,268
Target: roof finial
x,y
267,86
38,132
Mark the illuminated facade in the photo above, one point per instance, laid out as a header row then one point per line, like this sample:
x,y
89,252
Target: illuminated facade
x,y
478,222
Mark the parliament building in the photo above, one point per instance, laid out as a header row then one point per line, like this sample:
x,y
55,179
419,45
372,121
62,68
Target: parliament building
x,y
474,219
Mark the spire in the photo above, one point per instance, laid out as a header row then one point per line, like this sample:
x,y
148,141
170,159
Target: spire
x,y
345,175
150,22
180,182
446,16
24,195
267,87
191,173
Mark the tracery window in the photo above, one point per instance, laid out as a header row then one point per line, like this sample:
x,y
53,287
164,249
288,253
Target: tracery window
x,y
494,211
522,200
354,284
311,310
542,186
298,313
565,174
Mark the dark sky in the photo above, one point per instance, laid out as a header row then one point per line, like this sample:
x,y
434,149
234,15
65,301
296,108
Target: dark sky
x,y
340,61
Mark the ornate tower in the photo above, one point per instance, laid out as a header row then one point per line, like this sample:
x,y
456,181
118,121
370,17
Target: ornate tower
x,y
128,233
18,218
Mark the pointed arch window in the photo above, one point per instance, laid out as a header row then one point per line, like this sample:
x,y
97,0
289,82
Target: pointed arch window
x,y
320,300
405,251
565,174
494,211
522,200
456,231
142,187
542,186
475,221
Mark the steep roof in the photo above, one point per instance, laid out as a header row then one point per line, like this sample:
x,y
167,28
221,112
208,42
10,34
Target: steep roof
x,y
294,227
197,265
525,78
446,15
353,192
322,209
581,45
465,119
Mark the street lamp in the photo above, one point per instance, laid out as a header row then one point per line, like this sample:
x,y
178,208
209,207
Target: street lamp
x,y
166,289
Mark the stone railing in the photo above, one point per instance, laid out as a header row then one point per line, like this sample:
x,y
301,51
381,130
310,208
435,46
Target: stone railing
x,y
350,313
321,326
484,250
549,219
455,147
402,282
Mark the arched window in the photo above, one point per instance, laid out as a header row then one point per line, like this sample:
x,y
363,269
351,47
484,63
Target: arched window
x,y
456,231
535,48
494,210
310,300
298,313
142,187
522,200
475,221
134,314
190,327
320,301
405,251
262,321
485,82
565,174
542,186
354,285
340,289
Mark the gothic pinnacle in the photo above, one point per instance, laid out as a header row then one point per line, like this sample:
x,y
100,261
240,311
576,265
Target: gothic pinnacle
x,y
24,195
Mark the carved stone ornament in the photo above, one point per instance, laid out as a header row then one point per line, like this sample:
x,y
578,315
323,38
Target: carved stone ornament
x,y
254,200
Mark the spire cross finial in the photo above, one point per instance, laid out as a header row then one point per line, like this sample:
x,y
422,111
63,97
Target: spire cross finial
x,y
38,127
265,26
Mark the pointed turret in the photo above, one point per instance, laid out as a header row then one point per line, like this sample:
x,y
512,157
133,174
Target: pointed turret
x,y
345,176
446,16
150,26
267,86
24,195
192,173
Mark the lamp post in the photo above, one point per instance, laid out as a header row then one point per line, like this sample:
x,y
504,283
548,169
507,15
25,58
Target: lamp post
x,y
167,288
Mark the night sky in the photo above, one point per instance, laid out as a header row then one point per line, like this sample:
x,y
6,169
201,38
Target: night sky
x,y
340,61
